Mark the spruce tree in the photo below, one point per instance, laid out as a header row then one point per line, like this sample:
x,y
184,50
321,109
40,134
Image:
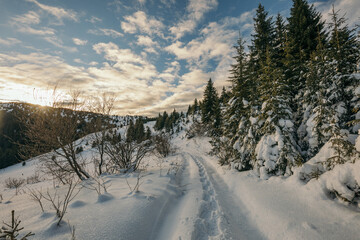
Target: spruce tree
x,y
130,134
209,103
277,150
304,25
236,112
263,38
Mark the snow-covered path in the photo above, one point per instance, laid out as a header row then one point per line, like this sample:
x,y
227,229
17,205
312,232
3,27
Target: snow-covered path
x,y
273,209
207,209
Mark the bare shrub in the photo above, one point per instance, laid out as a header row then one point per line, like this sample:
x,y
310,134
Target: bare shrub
x,y
127,156
196,129
60,204
96,184
140,175
174,168
12,230
33,179
14,183
72,230
163,145
36,196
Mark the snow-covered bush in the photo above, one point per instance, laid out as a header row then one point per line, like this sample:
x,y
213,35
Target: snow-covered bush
x,y
343,182
197,129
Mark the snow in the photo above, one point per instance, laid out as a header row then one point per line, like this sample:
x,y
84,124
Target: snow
x,y
195,198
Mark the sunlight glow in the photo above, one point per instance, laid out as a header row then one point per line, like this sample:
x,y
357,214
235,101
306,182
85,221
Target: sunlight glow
x,y
24,93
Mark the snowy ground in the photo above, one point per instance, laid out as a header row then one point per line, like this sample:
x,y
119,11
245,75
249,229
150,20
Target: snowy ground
x,y
192,198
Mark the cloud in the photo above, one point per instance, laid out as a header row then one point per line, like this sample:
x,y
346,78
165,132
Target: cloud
x,y
132,66
28,18
349,7
78,60
94,19
80,42
93,63
207,56
39,70
145,41
168,3
59,13
215,41
196,9
57,42
139,22
106,32
24,23
9,41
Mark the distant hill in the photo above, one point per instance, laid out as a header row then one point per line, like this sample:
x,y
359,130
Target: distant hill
x,y
12,131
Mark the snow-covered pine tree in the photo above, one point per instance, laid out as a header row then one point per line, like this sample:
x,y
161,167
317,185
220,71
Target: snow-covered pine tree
x,y
277,151
314,106
210,110
234,109
303,30
345,52
249,135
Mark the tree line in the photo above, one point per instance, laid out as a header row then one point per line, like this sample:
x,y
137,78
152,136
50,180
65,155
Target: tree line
x,y
293,90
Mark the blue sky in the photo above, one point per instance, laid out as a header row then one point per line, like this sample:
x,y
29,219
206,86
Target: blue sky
x,y
152,55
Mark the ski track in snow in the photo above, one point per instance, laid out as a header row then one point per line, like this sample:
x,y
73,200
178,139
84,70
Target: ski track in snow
x,y
221,215
209,224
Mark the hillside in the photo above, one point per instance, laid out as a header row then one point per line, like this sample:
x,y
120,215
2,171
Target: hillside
x,y
12,129
188,196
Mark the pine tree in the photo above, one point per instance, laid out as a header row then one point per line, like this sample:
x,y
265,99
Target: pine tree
x,y
304,25
277,150
236,111
279,42
148,133
130,134
224,97
263,38
345,52
139,131
304,30
209,103
344,150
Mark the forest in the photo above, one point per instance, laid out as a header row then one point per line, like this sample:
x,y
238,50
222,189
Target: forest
x,y
294,88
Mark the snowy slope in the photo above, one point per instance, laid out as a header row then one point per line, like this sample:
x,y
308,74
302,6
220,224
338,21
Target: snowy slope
x,y
192,198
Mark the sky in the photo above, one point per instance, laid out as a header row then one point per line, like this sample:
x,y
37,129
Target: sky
x,y
151,55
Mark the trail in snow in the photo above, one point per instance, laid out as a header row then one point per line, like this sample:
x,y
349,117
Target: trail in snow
x,y
206,209
237,222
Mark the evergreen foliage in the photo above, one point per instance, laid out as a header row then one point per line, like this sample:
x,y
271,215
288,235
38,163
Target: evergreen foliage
x,y
167,122
295,90
210,110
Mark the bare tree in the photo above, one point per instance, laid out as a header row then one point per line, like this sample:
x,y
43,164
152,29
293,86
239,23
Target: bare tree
x,y
103,106
55,129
